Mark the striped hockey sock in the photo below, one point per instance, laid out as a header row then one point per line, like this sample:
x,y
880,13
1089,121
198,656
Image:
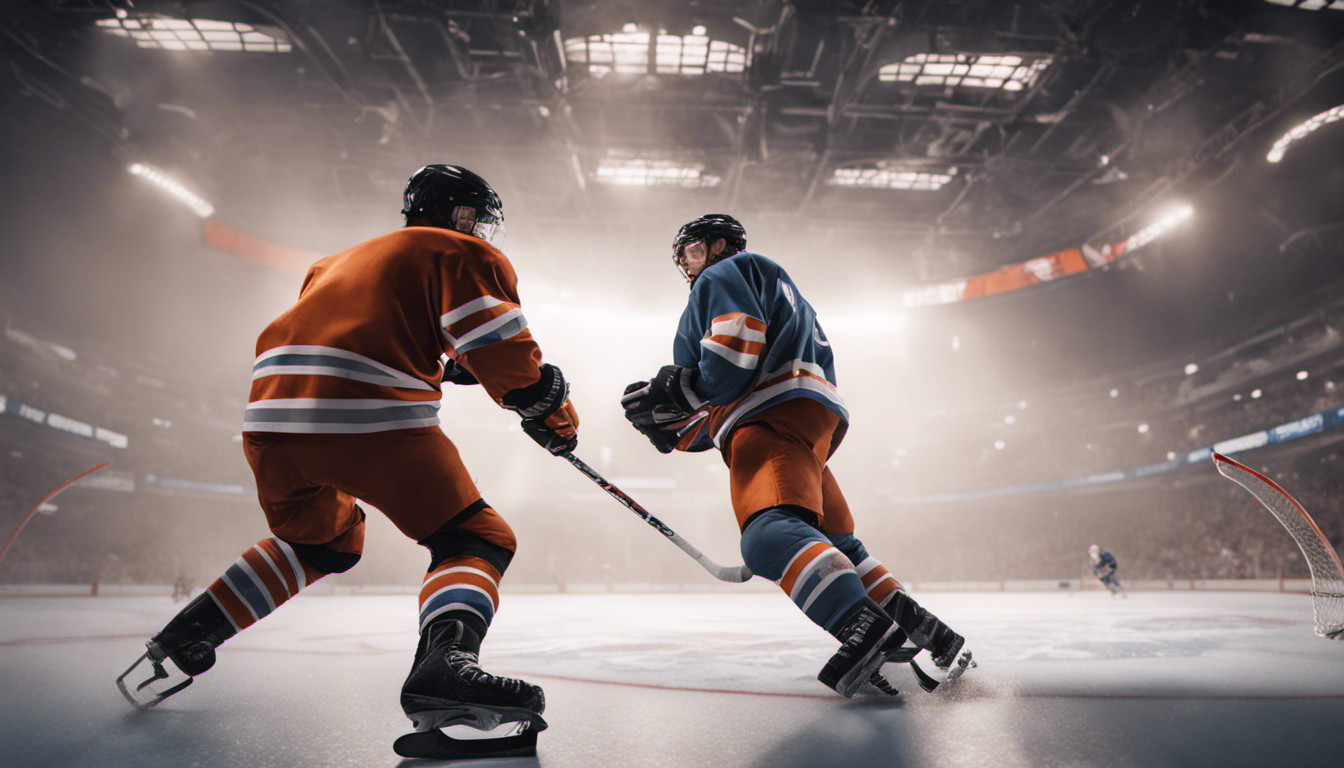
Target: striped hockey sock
x,y
463,585
820,580
879,582
260,581
811,570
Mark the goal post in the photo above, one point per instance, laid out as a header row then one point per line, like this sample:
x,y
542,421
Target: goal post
x,y
1327,575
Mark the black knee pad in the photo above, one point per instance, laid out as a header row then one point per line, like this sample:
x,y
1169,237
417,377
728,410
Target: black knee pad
x,y
450,541
325,559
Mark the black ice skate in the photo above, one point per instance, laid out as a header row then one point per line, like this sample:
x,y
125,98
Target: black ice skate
x,y
928,632
866,638
448,687
188,642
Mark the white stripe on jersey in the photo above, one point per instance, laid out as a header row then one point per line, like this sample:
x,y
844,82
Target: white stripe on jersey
x,y
470,308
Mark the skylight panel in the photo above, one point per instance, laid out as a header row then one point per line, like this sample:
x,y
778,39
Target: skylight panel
x,y
627,53
171,34
891,178
1008,72
653,172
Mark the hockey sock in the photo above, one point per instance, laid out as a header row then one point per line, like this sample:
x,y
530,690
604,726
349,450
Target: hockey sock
x,y
260,581
815,575
877,580
463,588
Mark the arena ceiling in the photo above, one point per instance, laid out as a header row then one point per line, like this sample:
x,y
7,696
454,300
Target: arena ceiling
x,y
1027,125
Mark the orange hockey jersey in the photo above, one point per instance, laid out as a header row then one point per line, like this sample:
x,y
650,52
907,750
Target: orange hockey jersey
x,y
360,350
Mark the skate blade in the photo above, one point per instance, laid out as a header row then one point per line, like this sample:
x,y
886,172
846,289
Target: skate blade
x,y
950,675
963,663
478,717
145,693
437,745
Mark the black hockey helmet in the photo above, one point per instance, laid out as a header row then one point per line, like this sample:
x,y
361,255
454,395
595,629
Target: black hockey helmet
x,y
706,229
455,198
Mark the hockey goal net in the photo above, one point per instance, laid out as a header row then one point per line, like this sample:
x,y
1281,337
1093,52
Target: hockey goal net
x,y
1327,575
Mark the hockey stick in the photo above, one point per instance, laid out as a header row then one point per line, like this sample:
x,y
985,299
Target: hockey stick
x,y
734,573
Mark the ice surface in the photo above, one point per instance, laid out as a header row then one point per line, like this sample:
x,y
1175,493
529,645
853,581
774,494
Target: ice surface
x,y
677,680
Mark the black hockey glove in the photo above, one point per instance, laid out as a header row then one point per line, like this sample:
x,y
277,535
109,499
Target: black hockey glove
x,y
665,440
548,417
454,373
669,398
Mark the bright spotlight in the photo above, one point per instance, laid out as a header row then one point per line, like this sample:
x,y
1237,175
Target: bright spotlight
x,y
1302,130
1143,429
1255,394
173,187
1163,225
1191,369
1302,375
999,445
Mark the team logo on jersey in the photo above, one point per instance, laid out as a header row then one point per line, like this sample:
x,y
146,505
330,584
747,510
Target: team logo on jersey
x,y
788,294
818,336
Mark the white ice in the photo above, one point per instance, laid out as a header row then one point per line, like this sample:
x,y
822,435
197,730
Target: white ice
x,y
680,679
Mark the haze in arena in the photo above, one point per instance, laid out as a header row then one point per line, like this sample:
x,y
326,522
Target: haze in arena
x,y
1047,296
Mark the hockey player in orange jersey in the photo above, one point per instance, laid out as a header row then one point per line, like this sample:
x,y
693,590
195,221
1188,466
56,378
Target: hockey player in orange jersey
x,y
344,406
753,375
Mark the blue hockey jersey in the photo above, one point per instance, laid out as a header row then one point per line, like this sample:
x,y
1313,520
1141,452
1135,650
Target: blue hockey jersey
x,y
756,343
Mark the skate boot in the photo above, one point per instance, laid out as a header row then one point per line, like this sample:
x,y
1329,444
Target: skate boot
x,y
448,687
866,637
188,642
926,631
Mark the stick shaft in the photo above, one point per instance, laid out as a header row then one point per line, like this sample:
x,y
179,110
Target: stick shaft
x,y
718,571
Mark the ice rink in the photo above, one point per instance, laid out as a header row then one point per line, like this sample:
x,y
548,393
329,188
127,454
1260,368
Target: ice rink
x,y
718,679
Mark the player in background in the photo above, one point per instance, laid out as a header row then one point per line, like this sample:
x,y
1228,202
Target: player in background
x,y
1103,567
344,406
752,375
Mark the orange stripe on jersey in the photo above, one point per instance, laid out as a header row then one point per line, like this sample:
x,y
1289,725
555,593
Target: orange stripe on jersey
x,y
231,604
269,578
800,563
273,550
739,345
741,318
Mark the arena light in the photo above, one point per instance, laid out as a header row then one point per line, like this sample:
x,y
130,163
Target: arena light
x,y
1302,375
1302,130
1191,369
891,178
1008,72
1158,228
628,53
170,185
653,172
172,34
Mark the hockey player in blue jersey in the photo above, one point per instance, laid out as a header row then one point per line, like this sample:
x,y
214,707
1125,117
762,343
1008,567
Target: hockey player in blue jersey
x,y
753,375
1103,567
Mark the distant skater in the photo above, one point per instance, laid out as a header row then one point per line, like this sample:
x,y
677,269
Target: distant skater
x,y
1104,567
